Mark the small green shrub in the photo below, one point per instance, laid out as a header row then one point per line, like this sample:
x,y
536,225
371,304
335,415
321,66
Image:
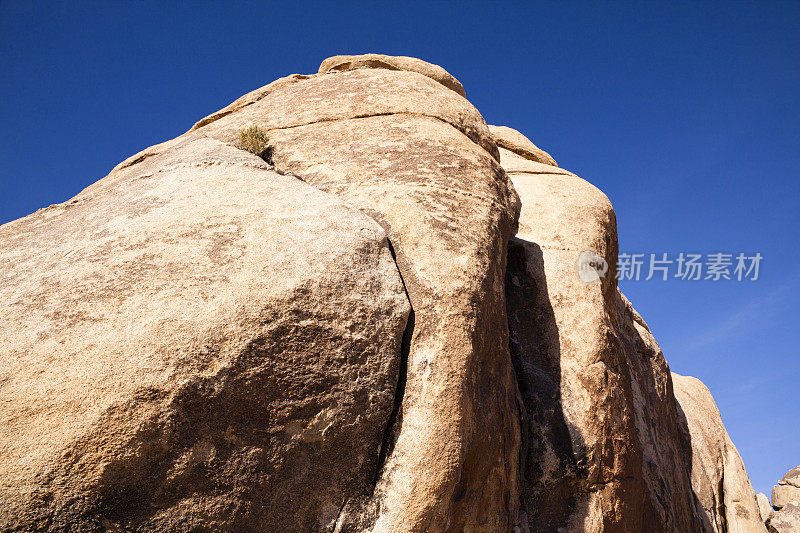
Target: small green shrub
x,y
254,140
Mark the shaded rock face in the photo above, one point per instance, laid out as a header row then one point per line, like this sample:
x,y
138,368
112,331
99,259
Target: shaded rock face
x,y
344,336
718,475
605,445
603,449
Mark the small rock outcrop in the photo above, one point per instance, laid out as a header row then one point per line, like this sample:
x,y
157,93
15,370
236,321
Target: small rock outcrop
x,y
719,478
377,325
787,520
788,489
783,515
764,507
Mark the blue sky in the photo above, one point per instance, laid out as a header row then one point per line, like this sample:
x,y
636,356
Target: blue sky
x,y
685,114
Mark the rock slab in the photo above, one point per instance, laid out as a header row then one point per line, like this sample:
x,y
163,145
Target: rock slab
x,y
194,342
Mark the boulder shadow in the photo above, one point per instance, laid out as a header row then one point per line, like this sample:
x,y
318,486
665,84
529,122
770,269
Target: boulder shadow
x,y
550,474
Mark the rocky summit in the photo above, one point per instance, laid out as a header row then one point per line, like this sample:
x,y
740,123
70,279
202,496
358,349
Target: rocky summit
x,y
373,323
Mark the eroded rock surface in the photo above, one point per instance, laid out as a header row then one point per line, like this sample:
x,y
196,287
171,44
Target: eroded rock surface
x,y
319,341
764,507
603,447
786,520
783,514
410,64
718,475
194,342
518,145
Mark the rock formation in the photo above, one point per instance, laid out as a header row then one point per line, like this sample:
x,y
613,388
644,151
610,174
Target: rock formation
x,y
719,478
378,325
783,515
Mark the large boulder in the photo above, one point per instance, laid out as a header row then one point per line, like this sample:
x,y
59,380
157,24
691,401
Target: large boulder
x,y
602,446
792,477
418,158
783,494
788,489
195,342
785,517
719,477
317,339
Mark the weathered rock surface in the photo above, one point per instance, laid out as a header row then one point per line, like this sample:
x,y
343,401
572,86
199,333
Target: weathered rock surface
x,y
764,507
792,477
194,342
787,520
785,517
319,341
783,494
603,446
410,64
429,179
519,145
718,475
419,159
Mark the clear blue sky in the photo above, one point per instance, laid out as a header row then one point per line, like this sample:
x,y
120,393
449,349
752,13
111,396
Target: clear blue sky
x,y
686,115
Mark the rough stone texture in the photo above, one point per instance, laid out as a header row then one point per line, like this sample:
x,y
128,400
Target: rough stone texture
x,y
411,64
718,475
204,340
792,477
354,94
420,160
783,494
513,141
194,342
249,99
602,445
764,507
787,520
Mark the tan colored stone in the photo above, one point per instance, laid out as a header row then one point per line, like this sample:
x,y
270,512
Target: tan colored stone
x,y
320,341
514,164
787,520
719,478
602,447
764,507
195,342
448,211
783,494
419,159
249,99
517,143
411,64
356,94
792,477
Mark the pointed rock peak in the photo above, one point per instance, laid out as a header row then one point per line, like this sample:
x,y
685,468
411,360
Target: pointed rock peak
x,y
514,141
412,64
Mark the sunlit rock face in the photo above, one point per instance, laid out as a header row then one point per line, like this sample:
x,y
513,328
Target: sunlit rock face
x,y
376,325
